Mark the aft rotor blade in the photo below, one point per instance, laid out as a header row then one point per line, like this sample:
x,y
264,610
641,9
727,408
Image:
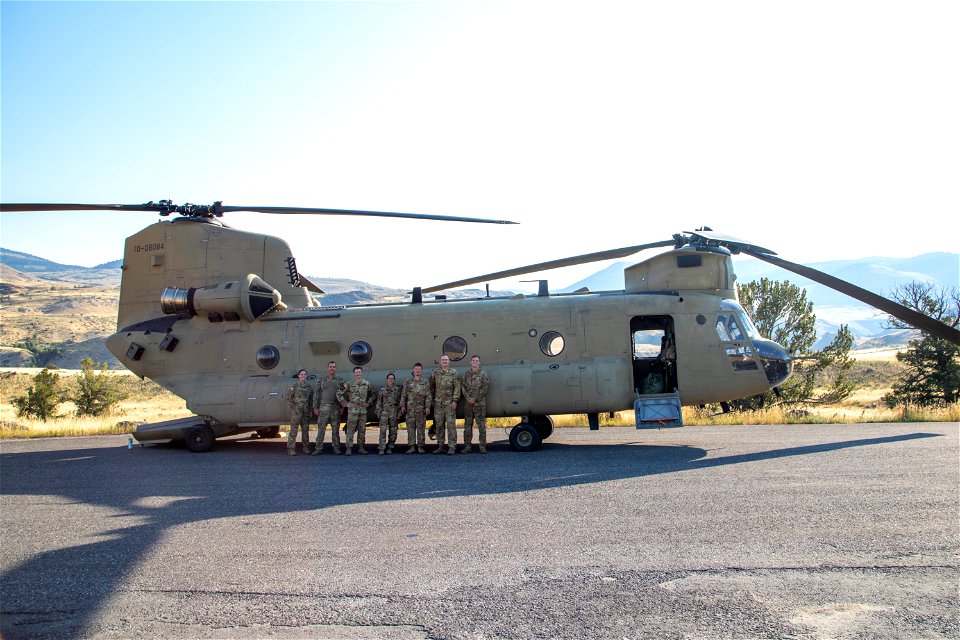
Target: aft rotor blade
x,y
34,206
553,264
218,209
900,312
355,212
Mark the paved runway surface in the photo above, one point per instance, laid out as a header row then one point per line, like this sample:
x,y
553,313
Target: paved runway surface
x,y
811,531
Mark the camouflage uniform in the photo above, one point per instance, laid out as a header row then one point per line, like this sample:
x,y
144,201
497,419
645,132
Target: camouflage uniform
x,y
326,403
360,394
475,387
415,399
446,390
300,399
388,402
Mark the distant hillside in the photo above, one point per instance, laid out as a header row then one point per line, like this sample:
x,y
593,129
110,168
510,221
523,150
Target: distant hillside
x,y
27,263
106,274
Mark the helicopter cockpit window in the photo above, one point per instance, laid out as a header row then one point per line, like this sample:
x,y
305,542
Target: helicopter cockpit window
x,y
268,357
360,353
734,327
551,343
455,348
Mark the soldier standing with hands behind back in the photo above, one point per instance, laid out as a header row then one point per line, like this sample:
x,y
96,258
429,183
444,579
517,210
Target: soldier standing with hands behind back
x,y
415,402
300,401
475,385
388,401
446,389
356,396
327,408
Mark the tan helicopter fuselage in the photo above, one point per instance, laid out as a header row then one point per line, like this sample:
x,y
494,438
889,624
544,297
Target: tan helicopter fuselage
x,y
547,354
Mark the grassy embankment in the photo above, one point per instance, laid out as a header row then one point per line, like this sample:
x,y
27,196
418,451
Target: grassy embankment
x,y
148,402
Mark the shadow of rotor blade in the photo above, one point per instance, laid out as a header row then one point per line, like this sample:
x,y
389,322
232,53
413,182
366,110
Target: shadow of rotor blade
x,y
805,450
586,258
914,318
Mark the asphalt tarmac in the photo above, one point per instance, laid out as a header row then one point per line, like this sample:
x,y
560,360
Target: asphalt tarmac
x,y
803,531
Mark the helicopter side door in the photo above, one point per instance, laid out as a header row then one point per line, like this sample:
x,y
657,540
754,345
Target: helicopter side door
x,y
654,355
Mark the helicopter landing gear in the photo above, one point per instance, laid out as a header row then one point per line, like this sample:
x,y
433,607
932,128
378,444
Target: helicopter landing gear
x,y
543,425
524,437
200,438
269,432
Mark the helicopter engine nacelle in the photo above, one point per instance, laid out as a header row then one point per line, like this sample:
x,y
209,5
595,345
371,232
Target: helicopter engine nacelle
x,y
249,299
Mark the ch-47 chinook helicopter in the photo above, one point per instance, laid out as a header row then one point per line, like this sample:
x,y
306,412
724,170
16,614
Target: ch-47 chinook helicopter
x,y
222,318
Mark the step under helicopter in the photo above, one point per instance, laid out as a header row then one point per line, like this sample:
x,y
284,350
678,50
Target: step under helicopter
x,y
222,318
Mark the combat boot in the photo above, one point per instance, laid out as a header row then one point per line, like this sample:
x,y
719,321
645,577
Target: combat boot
x,y
452,450
291,452
317,451
379,452
482,448
337,451
361,450
441,449
411,450
421,450
467,448
389,450
348,452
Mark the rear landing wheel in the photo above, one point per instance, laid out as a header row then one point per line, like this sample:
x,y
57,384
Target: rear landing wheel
x,y
524,437
543,425
200,438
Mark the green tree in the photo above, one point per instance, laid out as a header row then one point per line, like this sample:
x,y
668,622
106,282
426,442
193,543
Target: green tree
x,y
42,397
932,377
781,311
95,393
43,354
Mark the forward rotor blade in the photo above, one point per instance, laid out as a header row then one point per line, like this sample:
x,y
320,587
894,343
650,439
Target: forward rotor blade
x,y
553,264
906,314
217,209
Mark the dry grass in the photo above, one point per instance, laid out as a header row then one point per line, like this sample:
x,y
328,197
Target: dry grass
x,y
148,402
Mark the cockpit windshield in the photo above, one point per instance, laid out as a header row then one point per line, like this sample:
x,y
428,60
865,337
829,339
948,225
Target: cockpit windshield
x,y
734,324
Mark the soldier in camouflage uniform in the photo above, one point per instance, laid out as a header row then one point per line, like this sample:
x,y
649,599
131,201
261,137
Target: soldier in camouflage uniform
x,y
445,384
327,408
475,385
356,396
300,400
415,403
388,401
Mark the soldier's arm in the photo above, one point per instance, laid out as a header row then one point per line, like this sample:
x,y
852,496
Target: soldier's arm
x,y
456,387
341,397
484,386
378,407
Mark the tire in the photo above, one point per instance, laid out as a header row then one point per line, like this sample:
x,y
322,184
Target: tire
x,y
269,432
200,438
543,425
524,438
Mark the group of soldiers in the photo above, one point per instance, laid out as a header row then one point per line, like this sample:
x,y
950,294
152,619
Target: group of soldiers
x,y
414,401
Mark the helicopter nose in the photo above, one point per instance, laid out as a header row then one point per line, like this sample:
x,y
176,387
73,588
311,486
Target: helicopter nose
x,y
777,363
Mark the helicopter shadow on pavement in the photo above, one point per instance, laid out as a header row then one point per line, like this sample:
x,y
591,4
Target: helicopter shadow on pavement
x,y
60,590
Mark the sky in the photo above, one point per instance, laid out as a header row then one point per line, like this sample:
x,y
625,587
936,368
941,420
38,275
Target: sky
x,y
821,130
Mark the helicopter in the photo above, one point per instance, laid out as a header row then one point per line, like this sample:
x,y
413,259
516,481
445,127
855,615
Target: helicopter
x,y
222,318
